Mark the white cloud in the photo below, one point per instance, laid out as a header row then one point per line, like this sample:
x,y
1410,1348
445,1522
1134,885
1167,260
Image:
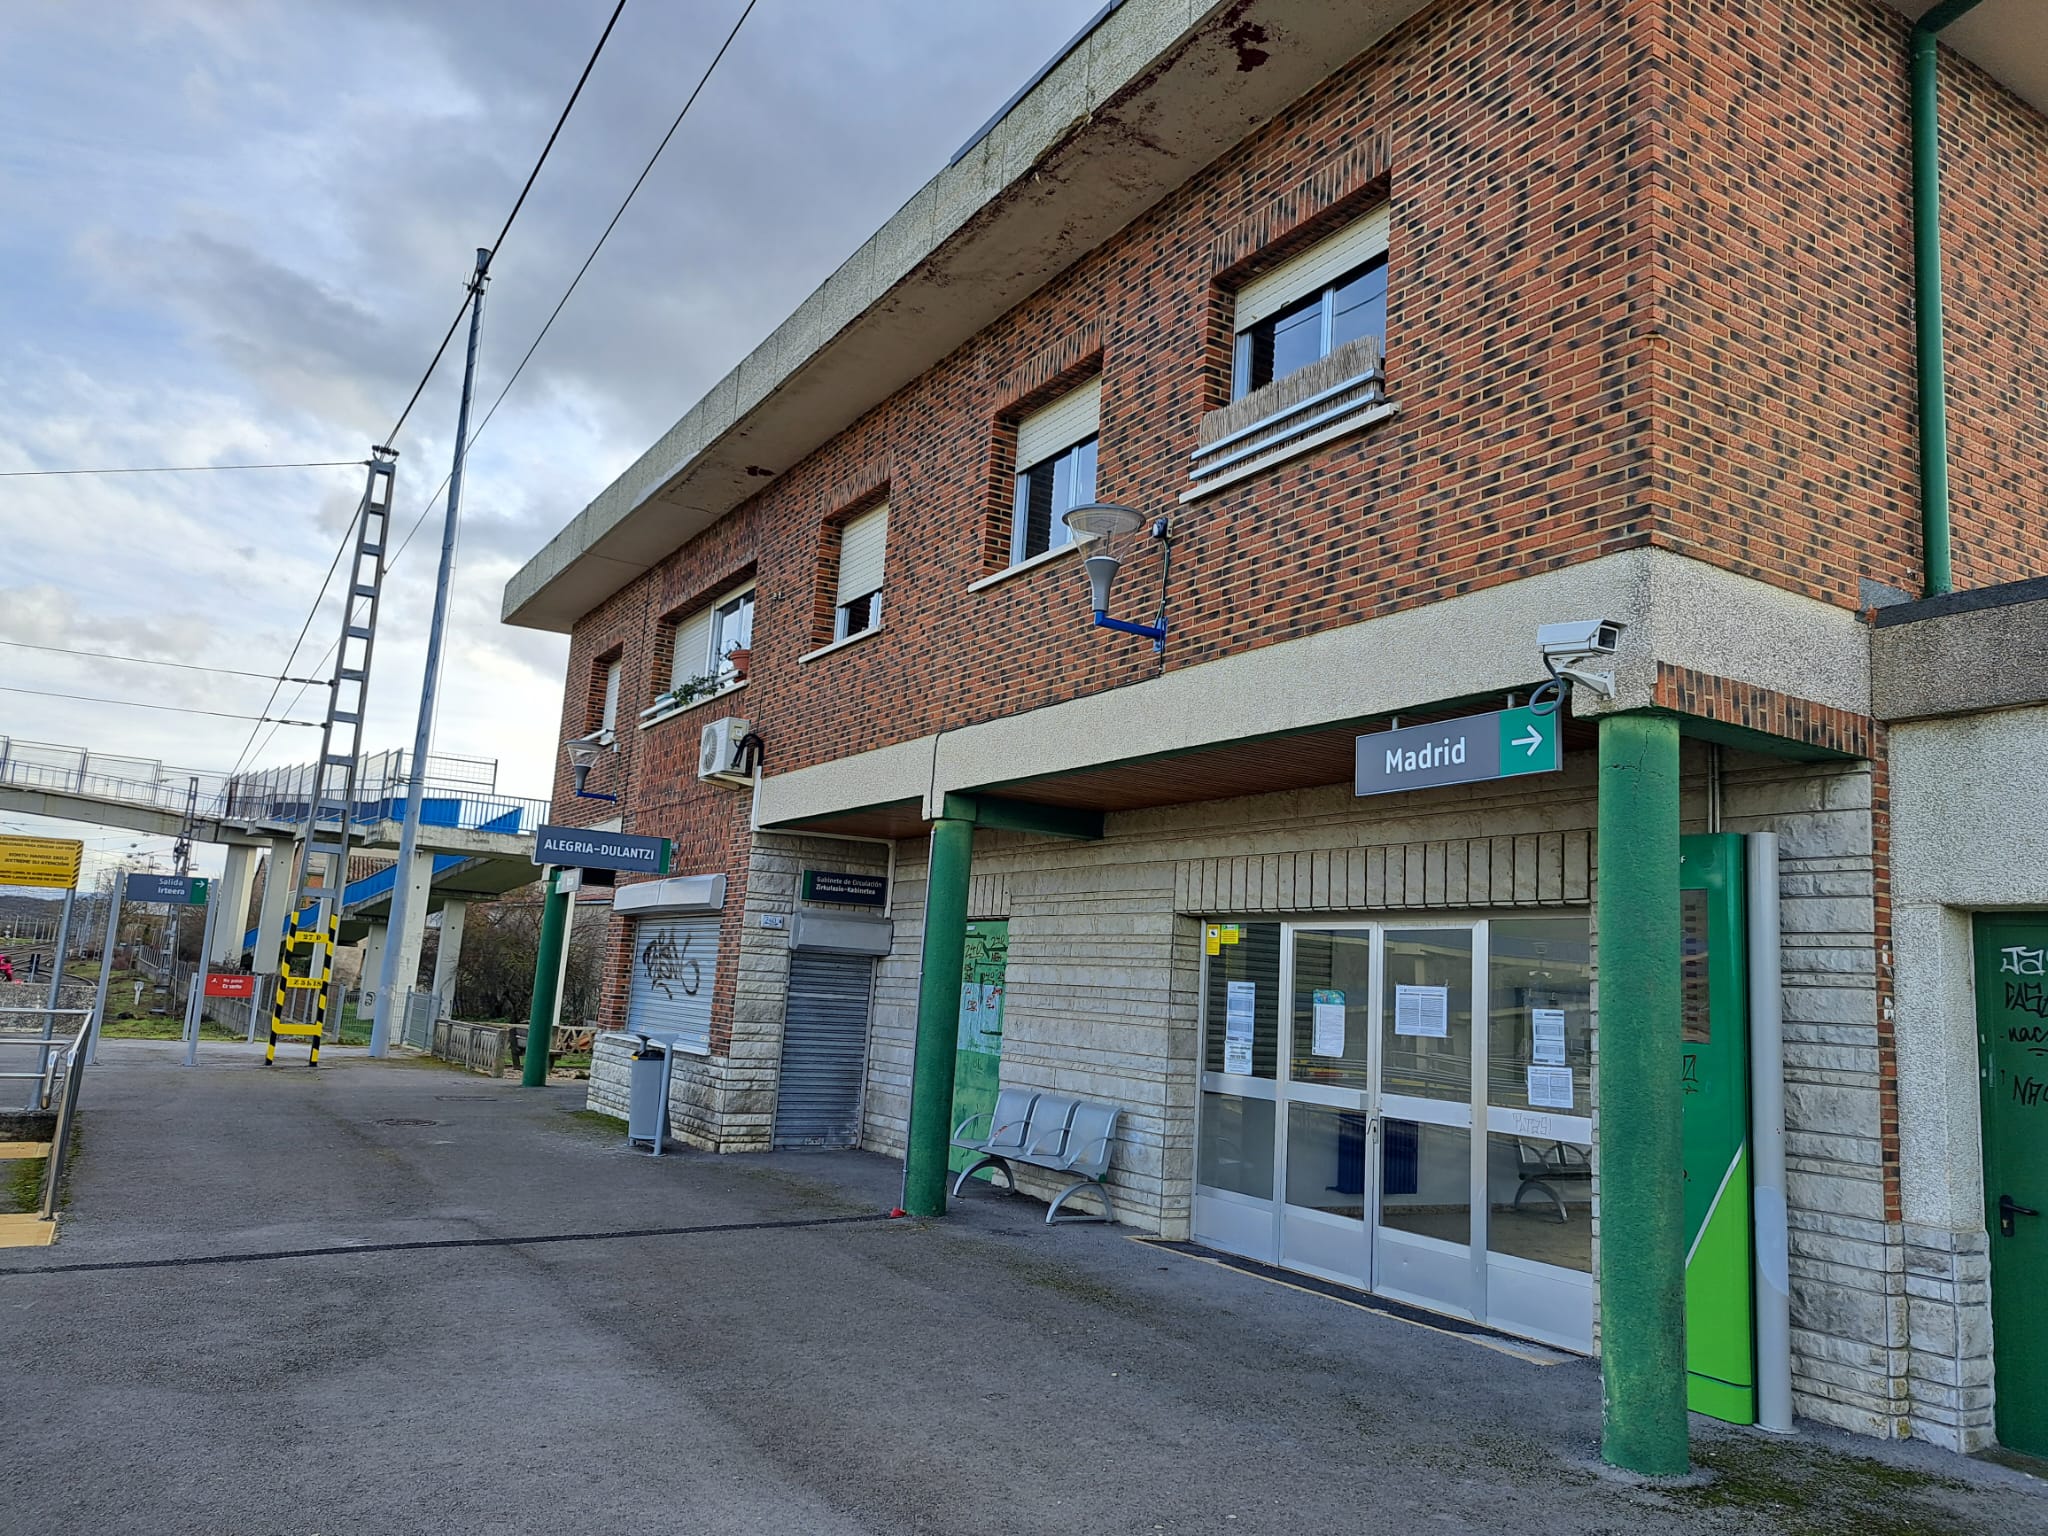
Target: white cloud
x,y
238,229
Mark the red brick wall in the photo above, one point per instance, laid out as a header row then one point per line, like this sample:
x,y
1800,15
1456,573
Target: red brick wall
x,y
1521,444
1787,432
1650,283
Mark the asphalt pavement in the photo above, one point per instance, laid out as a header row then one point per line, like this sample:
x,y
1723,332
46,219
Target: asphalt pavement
x,y
395,1297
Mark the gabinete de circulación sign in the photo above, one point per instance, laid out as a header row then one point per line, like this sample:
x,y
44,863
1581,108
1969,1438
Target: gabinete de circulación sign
x,y
1501,745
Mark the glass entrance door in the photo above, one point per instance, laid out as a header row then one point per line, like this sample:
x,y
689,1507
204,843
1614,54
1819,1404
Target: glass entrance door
x,y
1404,1107
1328,1131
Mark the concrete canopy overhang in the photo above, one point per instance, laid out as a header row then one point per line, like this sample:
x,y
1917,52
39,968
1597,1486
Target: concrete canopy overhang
x,y
1151,95
1286,716
2007,39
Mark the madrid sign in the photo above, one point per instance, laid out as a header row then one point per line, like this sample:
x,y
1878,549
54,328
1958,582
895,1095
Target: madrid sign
x,y
1501,745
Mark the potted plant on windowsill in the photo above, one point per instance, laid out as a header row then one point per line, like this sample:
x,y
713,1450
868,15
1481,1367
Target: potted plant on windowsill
x,y
690,690
740,656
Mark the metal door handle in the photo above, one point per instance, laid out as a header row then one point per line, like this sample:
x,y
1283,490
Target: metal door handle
x,y
2009,1208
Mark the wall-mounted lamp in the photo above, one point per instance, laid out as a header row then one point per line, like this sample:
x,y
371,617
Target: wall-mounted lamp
x,y
585,753
1106,524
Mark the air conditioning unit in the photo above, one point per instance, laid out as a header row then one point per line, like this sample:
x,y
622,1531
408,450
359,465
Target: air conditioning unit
x,y
718,753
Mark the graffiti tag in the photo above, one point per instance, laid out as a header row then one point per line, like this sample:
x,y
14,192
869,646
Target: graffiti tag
x,y
2018,960
665,963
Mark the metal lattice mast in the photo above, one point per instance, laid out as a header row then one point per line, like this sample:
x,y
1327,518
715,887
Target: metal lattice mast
x,y
330,799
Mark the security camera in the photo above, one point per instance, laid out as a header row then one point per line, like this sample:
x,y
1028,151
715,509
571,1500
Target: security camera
x,y
1586,637
1566,648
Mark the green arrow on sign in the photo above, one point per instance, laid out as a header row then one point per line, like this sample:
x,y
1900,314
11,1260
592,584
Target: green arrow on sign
x,y
1528,742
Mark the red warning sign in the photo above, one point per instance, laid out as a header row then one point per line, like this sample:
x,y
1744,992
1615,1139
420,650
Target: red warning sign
x,y
229,984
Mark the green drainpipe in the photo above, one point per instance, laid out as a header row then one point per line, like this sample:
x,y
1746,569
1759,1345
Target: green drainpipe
x,y
1934,524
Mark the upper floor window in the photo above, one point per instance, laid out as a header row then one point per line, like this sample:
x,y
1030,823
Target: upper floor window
x,y
863,553
706,639
1055,469
1311,304
608,712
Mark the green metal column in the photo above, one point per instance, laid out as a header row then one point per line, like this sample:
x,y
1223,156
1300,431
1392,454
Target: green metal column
x,y
1642,1209
1934,512
938,1016
547,980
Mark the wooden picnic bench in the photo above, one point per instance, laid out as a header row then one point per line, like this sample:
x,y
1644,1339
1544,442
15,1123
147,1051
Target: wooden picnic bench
x,y
566,1040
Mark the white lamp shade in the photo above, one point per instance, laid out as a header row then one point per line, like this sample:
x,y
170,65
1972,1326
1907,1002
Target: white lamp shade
x,y
1103,520
1102,571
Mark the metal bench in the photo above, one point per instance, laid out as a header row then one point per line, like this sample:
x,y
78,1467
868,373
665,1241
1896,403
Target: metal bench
x,y
1043,1130
1544,1167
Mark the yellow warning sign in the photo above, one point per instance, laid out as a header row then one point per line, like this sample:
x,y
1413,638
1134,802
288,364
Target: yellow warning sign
x,y
1216,935
40,861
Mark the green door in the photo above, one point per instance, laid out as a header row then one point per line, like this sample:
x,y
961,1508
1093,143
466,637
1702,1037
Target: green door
x,y
975,1068
1720,1342
2012,1042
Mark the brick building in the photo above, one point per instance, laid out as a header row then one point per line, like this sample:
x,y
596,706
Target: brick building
x,y
1414,327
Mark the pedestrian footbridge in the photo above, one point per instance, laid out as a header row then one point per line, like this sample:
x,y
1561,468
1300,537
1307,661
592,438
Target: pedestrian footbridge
x,y
474,842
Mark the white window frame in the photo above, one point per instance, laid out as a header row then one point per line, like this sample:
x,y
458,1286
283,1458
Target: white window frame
x,y
1320,267
701,621
1052,433
608,712
856,585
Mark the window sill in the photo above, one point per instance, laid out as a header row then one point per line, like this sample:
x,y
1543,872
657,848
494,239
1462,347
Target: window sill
x,y
632,1036
1351,422
654,714
1046,557
839,645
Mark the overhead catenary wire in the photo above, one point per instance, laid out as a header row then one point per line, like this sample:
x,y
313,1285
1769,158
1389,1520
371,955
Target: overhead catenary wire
x,y
152,661
440,351
178,469
175,709
632,192
555,313
504,230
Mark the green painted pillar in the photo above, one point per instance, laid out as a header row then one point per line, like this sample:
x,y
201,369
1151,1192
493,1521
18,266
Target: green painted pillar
x,y
938,1017
1642,1190
547,981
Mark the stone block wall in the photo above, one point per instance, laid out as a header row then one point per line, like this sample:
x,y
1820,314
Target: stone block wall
x,y
1850,1331
726,1102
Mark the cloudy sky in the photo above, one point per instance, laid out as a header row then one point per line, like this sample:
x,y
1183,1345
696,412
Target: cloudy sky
x,y
236,230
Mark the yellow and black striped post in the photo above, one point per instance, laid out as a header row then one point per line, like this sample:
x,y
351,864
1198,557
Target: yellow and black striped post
x,y
318,942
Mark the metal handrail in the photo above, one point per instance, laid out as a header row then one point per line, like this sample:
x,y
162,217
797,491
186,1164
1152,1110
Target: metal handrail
x,y
43,1041
74,1073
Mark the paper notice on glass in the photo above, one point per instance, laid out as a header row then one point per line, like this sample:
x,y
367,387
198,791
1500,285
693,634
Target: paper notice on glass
x,y
1550,1087
1329,1008
1237,1027
1422,1011
1549,1024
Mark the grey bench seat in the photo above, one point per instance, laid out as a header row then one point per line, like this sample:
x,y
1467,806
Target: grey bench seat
x,y
1043,1130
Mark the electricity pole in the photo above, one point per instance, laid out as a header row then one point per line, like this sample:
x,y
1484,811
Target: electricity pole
x,y
409,834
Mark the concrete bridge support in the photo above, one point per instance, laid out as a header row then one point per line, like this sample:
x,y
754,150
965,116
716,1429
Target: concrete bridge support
x,y
277,903
449,956
237,885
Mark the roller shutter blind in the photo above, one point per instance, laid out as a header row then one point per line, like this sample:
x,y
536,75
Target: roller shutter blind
x,y
1315,268
675,967
608,719
693,648
1068,420
863,550
824,1050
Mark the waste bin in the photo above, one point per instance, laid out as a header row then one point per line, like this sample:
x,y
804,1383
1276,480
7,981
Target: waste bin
x,y
647,1099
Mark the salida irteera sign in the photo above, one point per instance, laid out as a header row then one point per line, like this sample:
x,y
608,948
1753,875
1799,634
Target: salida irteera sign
x,y
1496,746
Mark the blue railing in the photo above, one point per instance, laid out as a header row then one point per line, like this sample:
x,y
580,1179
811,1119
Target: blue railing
x,y
378,887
